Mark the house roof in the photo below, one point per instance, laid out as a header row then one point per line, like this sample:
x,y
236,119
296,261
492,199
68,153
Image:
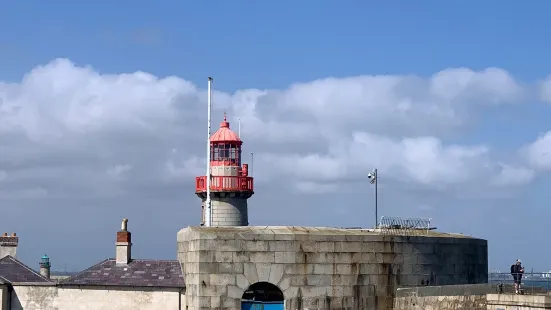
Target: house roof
x,y
14,271
137,273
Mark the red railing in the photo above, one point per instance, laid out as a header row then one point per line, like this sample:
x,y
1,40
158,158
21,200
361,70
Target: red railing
x,y
225,183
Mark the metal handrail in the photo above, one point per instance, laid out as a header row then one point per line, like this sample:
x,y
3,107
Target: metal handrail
x,y
532,283
225,183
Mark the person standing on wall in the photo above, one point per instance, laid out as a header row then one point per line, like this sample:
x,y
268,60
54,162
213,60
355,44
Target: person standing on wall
x,y
516,271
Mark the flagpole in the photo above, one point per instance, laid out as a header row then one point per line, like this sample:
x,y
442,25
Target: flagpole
x,y
376,207
208,202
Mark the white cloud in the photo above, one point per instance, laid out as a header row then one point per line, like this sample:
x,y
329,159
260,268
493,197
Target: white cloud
x,y
77,144
312,137
117,171
545,90
424,160
315,187
24,193
185,168
512,175
539,152
491,86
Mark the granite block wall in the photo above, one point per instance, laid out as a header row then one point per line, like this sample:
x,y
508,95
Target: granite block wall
x,y
449,297
321,268
518,302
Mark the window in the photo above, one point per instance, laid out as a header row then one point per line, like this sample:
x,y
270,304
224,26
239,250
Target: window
x,y
215,153
226,152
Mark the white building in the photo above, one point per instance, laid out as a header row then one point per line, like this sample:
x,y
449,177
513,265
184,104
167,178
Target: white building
x,y
114,283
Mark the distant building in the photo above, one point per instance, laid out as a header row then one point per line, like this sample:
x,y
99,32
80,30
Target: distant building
x,y
114,283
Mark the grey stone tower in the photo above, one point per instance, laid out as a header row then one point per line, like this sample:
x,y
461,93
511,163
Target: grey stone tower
x,y
231,185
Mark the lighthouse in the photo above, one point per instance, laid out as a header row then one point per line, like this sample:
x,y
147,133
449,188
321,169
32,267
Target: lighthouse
x,y
230,183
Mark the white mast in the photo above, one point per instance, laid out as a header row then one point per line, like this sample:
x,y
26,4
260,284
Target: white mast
x,y
208,209
239,128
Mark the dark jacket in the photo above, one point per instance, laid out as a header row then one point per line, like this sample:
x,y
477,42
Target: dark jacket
x,y
516,270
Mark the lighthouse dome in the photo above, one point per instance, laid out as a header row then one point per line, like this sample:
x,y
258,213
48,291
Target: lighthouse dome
x,y
225,134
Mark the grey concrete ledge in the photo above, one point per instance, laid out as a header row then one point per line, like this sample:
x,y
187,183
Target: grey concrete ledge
x,y
535,301
446,290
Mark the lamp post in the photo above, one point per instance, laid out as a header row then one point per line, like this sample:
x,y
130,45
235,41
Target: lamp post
x,y
374,180
252,164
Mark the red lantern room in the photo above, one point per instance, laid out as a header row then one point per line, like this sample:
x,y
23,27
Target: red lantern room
x,y
231,185
225,146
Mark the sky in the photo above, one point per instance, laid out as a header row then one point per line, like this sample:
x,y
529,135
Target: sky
x,y
103,116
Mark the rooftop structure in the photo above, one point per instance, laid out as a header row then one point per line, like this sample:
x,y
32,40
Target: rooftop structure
x,y
137,273
123,270
115,283
14,271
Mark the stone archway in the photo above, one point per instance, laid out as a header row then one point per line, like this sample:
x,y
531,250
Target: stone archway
x,y
262,296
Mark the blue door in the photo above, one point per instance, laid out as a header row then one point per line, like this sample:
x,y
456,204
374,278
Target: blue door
x,y
261,305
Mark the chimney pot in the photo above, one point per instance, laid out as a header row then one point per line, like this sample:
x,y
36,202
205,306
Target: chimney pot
x,y
5,234
124,244
14,235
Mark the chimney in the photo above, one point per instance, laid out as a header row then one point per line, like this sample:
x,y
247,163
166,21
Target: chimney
x,y
8,245
124,244
45,266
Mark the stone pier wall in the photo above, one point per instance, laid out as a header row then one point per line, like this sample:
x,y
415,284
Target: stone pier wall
x,y
449,297
518,302
321,268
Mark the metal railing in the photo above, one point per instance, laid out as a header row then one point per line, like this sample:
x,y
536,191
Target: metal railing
x,y
404,226
533,283
225,183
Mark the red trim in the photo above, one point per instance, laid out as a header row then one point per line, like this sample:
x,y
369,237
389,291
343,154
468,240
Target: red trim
x,y
225,184
225,163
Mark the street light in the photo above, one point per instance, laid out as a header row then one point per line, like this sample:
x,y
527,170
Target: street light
x,y
374,180
252,164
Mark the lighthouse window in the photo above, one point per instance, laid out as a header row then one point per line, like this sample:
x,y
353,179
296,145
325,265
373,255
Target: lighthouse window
x,y
226,152
215,152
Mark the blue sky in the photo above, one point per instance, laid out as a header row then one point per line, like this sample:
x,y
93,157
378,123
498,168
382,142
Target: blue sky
x,y
303,40
271,45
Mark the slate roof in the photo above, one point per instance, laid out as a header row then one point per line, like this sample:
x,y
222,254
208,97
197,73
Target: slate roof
x,y
137,273
14,271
